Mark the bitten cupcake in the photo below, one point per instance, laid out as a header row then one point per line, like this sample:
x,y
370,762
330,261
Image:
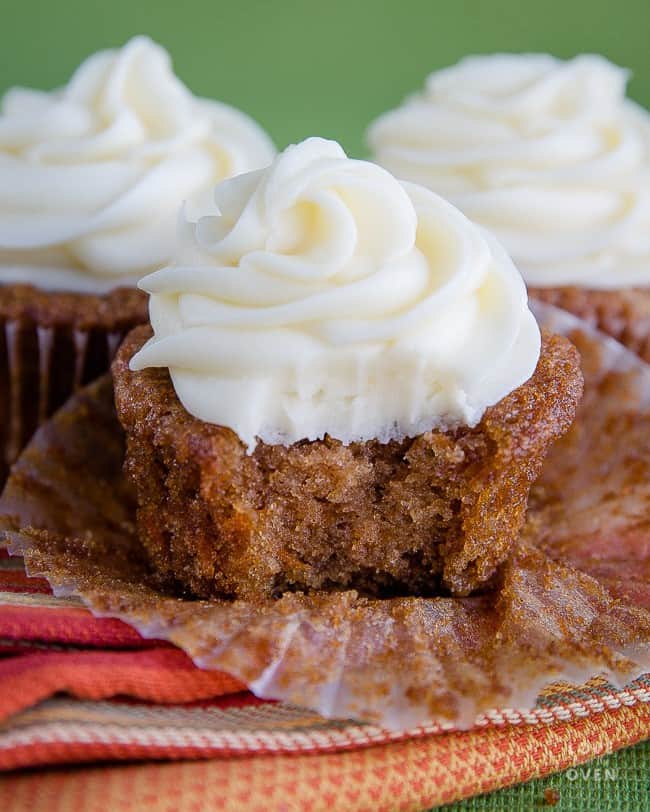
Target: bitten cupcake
x,y
91,178
344,388
555,160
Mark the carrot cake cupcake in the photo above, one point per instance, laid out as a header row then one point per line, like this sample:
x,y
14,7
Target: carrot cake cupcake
x,y
555,160
342,387
91,178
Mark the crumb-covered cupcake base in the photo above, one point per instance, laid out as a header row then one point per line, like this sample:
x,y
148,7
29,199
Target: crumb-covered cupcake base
x,y
50,344
571,601
433,514
623,314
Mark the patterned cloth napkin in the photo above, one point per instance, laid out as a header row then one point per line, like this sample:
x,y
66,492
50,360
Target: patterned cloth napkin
x,y
78,689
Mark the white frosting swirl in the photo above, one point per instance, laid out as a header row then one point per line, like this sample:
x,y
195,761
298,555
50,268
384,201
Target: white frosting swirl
x,y
549,155
327,297
92,175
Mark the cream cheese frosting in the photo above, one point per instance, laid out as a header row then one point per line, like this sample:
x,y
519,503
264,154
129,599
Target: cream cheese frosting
x,y
326,297
550,155
92,175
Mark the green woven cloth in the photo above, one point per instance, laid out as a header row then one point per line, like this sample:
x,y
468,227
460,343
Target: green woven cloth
x,y
619,782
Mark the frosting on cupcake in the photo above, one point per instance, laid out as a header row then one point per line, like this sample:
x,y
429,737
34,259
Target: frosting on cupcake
x,y
326,297
92,175
550,155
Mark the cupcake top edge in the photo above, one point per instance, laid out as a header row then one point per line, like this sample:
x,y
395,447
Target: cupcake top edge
x,y
323,296
92,174
549,154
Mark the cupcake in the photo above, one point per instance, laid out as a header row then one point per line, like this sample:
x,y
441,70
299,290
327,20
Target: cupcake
x,y
344,388
91,178
555,160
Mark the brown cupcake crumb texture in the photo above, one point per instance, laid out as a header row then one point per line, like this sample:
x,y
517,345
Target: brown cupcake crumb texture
x,y
50,344
435,514
622,314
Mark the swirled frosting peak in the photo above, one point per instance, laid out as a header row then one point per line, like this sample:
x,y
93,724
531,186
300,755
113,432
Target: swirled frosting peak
x,y
326,297
92,175
548,154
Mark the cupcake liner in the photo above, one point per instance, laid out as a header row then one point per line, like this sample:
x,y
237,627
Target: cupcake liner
x,y
40,367
571,602
590,506
623,314
51,344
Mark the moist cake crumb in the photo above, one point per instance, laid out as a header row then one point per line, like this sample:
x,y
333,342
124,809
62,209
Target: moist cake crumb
x,y
429,515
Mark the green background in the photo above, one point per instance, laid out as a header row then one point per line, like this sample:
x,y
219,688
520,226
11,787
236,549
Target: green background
x,y
317,68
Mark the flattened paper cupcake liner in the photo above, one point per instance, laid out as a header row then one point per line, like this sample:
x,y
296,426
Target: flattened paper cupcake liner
x,y
591,506
572,602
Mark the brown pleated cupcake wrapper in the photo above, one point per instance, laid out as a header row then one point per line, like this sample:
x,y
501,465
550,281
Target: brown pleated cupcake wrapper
x,y
623,314
572,602
40,368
